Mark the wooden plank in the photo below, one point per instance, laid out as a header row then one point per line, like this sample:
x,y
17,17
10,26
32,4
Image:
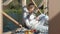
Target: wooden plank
x,y
45,6
54,15
9,32
1,17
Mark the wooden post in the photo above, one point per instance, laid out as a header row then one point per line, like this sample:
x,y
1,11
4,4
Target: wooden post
x,y
54,16
1,22
45,6
23,3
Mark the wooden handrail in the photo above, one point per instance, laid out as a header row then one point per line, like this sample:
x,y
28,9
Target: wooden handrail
x,y
1,18
13,20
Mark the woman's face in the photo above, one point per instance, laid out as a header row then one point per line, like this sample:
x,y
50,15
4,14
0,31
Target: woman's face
x,y
31,8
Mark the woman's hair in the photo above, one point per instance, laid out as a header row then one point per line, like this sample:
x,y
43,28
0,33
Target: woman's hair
x,y
30,5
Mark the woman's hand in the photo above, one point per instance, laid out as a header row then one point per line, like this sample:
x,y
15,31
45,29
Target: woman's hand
x,y
37,18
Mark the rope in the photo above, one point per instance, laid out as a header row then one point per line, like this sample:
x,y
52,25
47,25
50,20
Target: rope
x,y
36,6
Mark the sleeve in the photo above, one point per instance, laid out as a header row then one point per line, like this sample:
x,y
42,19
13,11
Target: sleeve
x,y
25,9
25,14
28,23
26,20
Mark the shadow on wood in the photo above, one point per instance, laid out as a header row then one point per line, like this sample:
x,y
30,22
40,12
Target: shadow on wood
x,y
54,24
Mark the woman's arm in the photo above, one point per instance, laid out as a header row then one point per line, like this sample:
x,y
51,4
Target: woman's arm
x,y
24,9
24,6
26,13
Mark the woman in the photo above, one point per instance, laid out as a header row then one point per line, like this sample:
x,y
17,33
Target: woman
x,y
31,20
